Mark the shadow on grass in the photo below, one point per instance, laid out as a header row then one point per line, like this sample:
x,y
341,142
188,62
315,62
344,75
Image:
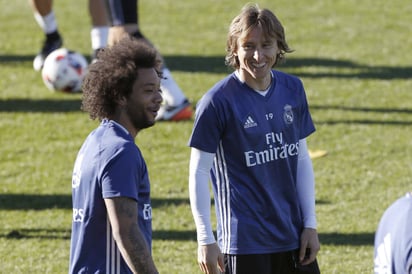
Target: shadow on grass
x,y
35,233
73,105
363,122
40,105
64,234
174,235
215,64
35,201
350,239
362,109
366,110
335,239
64,201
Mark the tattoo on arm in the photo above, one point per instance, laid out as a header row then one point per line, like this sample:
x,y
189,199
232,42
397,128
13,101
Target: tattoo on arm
x,y
129,238
140,250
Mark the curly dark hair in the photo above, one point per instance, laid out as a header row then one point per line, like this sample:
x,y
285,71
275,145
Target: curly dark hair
x,y
114,74
251,16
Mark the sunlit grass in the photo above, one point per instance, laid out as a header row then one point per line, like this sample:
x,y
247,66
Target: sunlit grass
x,y
353,57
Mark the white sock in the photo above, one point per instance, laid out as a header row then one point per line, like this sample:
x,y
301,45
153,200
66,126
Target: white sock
x,y
172,94
99,35
47,23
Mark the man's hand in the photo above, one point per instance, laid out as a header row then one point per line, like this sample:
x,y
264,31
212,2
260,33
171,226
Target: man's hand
x,y
210,259
309,246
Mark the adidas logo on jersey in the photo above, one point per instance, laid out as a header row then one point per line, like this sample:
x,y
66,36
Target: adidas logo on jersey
x,y
249,123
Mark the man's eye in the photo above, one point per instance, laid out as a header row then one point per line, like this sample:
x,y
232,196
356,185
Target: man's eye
x,y
268,45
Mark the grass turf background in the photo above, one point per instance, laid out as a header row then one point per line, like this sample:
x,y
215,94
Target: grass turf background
x,y
353,57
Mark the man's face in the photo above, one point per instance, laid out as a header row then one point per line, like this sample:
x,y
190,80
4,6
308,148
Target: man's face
x,y
257,55
145,99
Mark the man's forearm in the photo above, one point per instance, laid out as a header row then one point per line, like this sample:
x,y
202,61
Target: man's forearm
x,y
123,217
134,250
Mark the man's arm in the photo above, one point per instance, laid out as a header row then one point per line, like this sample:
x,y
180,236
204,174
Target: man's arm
x,y
210,257
305,185
122,213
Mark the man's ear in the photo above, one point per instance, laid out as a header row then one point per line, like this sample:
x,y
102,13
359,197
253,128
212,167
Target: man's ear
x,y
121,100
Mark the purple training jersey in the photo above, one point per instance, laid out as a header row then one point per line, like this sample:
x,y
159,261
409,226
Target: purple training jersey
x,y
256,142
393,239
109,164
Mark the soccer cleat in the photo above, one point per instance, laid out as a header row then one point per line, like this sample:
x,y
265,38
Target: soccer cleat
x,y
53,41
181,112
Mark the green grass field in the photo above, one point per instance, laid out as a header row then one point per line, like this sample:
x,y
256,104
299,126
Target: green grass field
x,y
353,56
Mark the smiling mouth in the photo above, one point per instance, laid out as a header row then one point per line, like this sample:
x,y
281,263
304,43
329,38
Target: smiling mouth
x,y
259,66
155,110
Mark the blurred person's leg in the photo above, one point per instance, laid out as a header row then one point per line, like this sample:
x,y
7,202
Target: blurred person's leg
x,y
124,16
99,33
45,18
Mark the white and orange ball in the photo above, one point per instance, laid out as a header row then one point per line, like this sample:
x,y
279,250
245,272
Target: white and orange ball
x,y
64,70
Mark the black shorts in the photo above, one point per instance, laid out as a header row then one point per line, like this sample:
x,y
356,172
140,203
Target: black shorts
x,y
273,263
123,12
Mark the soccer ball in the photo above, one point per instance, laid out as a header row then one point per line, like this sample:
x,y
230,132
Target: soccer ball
x,y
64,70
